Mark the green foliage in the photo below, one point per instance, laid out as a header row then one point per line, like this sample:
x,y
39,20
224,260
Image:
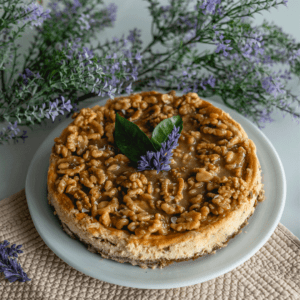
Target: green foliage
x,y
162,131
237,63
131,140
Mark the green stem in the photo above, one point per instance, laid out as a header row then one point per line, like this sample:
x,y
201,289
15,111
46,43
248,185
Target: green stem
x,y
286,110
3,83
150,45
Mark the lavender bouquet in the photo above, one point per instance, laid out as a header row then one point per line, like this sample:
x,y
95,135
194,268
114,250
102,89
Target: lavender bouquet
x,y
61,68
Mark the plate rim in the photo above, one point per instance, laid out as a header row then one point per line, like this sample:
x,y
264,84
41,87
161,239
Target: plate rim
x,y
184,282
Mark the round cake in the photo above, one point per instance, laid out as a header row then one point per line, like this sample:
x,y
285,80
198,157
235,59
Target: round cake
x,y
148,218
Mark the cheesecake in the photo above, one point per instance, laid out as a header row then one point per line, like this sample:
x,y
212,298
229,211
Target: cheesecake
x,y
147,218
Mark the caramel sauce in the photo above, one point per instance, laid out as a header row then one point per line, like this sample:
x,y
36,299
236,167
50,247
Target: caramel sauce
x,y
203,153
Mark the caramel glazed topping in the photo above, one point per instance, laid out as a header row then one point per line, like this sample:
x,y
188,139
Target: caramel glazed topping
x,y
210,171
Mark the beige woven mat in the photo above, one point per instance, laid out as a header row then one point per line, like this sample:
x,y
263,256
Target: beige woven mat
x,y
273,273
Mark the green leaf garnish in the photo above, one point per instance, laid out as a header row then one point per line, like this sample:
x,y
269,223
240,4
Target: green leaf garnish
x,y
163,129
131,140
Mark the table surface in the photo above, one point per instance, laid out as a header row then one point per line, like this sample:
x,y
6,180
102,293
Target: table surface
x,y
283,133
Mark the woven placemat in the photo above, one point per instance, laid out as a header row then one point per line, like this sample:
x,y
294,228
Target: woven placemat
x,y
272,273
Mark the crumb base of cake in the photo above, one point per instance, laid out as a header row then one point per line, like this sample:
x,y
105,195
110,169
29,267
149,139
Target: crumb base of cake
x,y
153,264
148,263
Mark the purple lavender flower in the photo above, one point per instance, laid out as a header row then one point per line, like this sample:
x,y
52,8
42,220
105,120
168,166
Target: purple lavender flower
x,y
209,6
57,107
134,35
76,4
112,12
66,105
265,117
85,22
294,55
272,85
11,132
194,83
54,110
70,8
71,47
156,82
221,46
138,57
29,75
111,91
160,160
165,9
34,14
252,45
8,264
128,89
106,79
211,81
86,17
112,71
108,16
12,269
13,250
13,129
23,136
54,8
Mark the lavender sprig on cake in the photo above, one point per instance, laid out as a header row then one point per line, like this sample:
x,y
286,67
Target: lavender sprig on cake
x,y
160,160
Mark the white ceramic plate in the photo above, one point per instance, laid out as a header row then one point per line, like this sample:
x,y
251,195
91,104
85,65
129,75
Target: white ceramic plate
x,y
241,248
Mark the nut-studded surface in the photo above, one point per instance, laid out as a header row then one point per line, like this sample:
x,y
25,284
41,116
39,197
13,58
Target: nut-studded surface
x,y
214,171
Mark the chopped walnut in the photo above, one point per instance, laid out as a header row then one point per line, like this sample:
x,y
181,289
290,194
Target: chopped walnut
x,y
187,221
209,176
172,209
203,175
106,210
